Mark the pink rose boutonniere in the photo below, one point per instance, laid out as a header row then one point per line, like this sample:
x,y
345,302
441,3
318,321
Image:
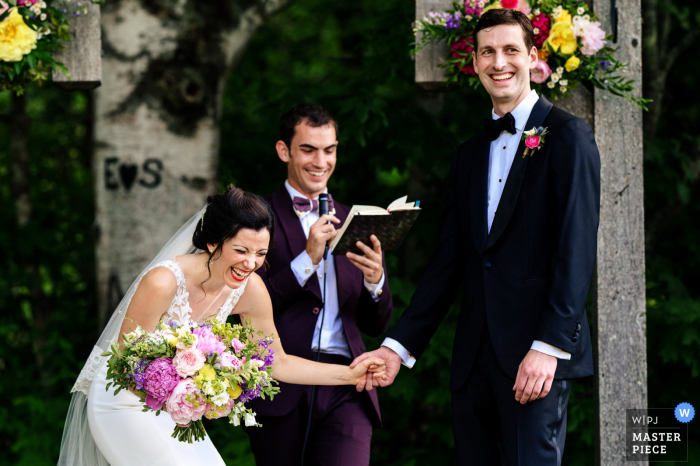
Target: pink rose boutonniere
x,y
534,139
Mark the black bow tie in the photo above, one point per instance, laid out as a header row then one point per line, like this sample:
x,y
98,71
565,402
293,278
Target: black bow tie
x,y
494,128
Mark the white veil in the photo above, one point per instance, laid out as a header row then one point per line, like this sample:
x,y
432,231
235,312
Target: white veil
x,y
77,446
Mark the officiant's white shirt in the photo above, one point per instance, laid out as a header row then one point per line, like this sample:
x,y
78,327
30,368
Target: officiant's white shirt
x,y
333,339
501,157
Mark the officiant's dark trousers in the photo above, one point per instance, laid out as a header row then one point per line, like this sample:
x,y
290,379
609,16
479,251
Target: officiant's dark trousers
x,y
492,429
341,428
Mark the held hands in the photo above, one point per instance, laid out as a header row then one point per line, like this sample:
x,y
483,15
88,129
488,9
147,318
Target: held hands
x,y
368,368
371,263
393,364
535,376
320,234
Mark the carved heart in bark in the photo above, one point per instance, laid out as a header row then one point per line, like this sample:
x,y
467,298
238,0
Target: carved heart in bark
x,y
128,175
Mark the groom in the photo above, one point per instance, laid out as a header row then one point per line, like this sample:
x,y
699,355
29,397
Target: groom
x,y
518,235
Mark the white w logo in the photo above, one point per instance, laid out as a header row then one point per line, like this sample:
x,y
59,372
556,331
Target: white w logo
x,y
684,412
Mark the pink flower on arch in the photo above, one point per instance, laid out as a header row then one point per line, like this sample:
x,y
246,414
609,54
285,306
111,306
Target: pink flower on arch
x,y
543,25
524,7
509,3
593,39
463,48
541,72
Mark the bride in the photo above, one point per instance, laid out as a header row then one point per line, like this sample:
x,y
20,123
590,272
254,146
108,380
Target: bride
x,y
201,272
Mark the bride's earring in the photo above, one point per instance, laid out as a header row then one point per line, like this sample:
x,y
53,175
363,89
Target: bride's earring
x,y
211,261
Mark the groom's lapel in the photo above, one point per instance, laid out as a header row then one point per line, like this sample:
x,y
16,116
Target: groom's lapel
x,y
478,191
515,177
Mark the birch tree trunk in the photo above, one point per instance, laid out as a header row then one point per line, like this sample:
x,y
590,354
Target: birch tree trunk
x,y
157,116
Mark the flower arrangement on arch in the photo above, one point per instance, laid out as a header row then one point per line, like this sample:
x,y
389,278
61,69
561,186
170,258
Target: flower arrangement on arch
x,y
571,46
193,371
31,32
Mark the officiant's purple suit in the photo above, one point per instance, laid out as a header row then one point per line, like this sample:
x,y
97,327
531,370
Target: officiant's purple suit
x,y
296,311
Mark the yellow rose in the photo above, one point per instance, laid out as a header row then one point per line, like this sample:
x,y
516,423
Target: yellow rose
x,y
206,374
572,63
562,39
235,391
16,38
564,17
493,6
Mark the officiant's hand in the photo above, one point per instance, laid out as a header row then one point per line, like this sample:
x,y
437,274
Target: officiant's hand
x,y
371,263
320,234
535,376
392,362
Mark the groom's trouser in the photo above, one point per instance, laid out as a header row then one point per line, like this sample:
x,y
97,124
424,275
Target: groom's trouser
x,y
341,428
492,429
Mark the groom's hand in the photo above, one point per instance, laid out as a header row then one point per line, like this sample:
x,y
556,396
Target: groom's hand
x,y
535,376
392,362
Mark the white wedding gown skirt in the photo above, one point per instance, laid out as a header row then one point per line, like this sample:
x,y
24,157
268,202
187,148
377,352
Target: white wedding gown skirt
x,y
126,436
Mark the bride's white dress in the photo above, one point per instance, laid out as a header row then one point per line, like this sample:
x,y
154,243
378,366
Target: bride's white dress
x,y
124,434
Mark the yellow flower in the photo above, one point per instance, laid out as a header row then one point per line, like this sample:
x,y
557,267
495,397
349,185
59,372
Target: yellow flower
x,y
562,39
16,38
563,17
572,63
206,374
493,6
235,391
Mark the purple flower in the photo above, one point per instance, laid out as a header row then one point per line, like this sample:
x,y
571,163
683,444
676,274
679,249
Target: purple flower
x,y
453,21
249,394
137,374
172,324
161,380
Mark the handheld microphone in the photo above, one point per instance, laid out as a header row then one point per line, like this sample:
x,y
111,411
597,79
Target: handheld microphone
x,y
323,210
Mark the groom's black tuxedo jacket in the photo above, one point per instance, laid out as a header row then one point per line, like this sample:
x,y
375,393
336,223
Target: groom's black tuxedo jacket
x,y
528,278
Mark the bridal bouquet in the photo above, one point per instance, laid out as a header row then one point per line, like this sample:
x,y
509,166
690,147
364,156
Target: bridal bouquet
x,y
193,371
571,45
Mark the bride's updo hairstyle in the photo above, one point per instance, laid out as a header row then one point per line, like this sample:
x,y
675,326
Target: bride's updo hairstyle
x,y
229,213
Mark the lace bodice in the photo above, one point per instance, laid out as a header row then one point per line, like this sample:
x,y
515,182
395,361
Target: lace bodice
x,y
180,310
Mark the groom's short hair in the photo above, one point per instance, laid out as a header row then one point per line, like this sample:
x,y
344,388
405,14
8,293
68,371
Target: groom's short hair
x,y
310,114
497,17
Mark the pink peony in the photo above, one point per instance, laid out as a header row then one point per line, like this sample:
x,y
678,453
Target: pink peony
x,y
541,72
26,3
237,345
188,361
215,412
532,141
509,3
159,381
524,7
472,8
593,39
543,24
186,403
229,360
207,342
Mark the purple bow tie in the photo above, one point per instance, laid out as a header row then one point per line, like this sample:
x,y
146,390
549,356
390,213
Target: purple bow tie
x,y
302,206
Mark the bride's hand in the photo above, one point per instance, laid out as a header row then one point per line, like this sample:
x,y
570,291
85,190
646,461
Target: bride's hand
x,y
374,365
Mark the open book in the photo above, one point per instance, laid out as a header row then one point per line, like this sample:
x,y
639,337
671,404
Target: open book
x,y
389,225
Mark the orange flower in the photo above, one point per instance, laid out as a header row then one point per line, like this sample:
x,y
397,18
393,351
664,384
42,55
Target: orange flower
x,y
543,54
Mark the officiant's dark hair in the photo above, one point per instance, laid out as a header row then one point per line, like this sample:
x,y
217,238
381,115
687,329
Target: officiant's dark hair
x,y
310,114
226,215
497,17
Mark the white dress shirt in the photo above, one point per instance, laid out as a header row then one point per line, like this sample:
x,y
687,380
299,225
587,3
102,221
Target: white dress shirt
x,y
501,157
333,339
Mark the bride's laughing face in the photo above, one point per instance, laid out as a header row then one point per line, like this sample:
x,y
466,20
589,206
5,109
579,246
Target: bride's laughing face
x,y
240,256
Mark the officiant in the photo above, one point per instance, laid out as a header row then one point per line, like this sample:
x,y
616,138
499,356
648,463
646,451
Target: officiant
x,y
356,299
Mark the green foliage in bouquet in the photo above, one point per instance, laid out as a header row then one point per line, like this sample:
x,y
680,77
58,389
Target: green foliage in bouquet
x,y
571,46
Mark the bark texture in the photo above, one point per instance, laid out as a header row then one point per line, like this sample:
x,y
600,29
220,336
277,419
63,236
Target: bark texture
x,y
83,54
157,123
620,317
428,75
